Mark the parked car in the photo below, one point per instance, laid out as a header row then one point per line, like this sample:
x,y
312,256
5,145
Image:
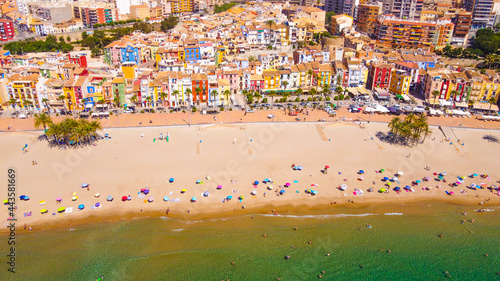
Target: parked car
x,y
22,116
250,110
128,110
419,109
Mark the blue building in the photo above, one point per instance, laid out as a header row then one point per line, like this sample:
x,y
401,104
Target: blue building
x,y
192,51
130,54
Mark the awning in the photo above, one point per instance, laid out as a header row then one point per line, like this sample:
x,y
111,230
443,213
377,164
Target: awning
x,y
88,105
399,97
405,97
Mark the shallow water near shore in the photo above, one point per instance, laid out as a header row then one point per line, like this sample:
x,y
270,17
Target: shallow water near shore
x,y
169,249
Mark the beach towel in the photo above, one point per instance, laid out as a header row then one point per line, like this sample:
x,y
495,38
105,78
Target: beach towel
x,y
69,210
27,214
42,202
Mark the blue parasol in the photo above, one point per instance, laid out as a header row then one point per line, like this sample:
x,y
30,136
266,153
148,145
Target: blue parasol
x,y
166,198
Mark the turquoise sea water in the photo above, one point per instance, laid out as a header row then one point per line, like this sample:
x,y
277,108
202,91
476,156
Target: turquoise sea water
x,y
168,249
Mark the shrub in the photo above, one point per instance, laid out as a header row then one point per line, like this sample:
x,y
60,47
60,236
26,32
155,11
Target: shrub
x,y
183,111
57,114
222,108
230,109
194,109
347,97
142,111
152,111
336,98
309,99
171,110
341,96
297,99
111,113
302,100
264,100
320,98
328,98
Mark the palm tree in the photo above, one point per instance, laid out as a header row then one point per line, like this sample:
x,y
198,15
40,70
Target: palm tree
x,y
285,84
176,95
491,101
453,94
148,100
62,98
13,102
310,73
272,94
313,92
198,91
227,93
42,119
299,92
116,101
435,94
393,125
45,102
270,23
471,104
188,92
316,80
257,96
213,94
163,96
134,99
339,91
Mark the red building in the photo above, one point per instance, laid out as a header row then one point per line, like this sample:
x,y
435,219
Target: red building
x,y
379,76
7,31
92,16
79,59
199,80
256,82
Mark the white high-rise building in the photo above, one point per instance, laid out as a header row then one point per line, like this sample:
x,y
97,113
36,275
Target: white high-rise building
x,y
123,6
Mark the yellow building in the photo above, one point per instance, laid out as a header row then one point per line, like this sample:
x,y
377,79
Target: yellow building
x,y
128,69
69,94
324,74
271,79
23,90
400,82
224,86
139,12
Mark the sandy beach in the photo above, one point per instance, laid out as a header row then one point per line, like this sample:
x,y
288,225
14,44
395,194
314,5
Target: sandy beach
x,y
234,156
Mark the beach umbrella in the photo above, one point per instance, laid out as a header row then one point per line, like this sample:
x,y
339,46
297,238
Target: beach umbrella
x,y
314,192
150,199
327,167
97,204
206,193
382,190
143,189
444,173
6,202
397,188
458,182
361,178
282,191
388,184
229,197
193,199
74,198
418,181
270,187
219,186
254,192
475,175
62,209
198,181
85,185
166,198
241,197
58,199
400,173
81,207
287,184
483,184
407,187
361,172
129,198
109,198
124,198
97,195
441,177
22,197
146,191
473,185
386,178
183,191
382,170
299,168
343,187
395,179
43,211
171,180
256,183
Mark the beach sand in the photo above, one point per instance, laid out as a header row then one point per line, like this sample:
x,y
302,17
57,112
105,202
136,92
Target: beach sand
x,y
127,162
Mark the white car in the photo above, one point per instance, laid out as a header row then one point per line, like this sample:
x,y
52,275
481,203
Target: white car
x,y
22,116
419,109
128,110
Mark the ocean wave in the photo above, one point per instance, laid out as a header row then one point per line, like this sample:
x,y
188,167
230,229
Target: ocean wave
x,y
393,214
319,216
178,230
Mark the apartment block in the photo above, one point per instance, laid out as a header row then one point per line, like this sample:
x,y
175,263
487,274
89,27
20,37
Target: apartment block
x,y
6,30
367,18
